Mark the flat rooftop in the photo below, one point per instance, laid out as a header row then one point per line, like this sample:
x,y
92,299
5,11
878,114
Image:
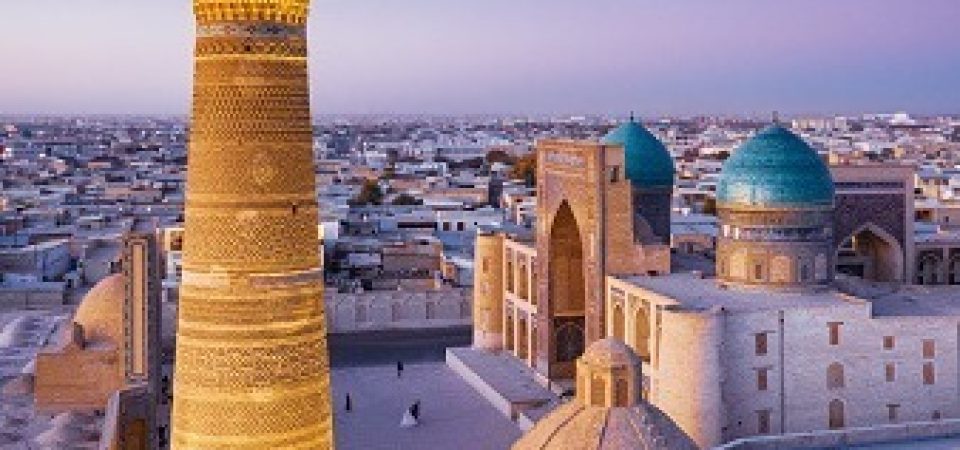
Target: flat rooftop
x,y
951,443
918,301
696,292
22,335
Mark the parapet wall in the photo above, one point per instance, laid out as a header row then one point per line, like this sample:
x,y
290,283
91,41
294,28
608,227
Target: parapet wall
x,y
388,310
884,434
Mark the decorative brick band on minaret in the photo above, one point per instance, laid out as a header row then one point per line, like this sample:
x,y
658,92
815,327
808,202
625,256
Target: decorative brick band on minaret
x,y
252,369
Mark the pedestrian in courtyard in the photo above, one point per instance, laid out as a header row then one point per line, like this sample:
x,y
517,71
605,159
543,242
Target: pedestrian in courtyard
x,y
415,410
408,420
399,368
348,405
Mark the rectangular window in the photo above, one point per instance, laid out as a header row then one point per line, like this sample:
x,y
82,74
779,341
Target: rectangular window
x,y
761,343
889,342
510,288
929,349
762,379
834,332
929,375
892,412
763,421
614,174
758,272
890,371
486,265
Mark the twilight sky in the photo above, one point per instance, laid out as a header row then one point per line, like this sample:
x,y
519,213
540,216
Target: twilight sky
x,y
512,56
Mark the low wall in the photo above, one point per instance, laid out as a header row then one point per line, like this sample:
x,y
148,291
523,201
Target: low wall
x,y
32,295
390,310
850,436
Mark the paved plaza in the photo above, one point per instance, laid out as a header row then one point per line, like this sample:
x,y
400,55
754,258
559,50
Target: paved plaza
x,y
453,415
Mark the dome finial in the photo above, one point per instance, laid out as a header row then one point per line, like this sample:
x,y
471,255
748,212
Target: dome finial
x,y
776,117
632,117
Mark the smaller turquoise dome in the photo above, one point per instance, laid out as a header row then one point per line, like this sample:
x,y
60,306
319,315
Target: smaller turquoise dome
x,y
775,168
648,162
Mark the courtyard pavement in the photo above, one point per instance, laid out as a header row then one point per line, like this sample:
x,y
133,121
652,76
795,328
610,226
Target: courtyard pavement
x,y
932,444
453,415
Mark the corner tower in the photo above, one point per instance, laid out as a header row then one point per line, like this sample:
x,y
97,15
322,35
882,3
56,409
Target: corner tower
x,y
775,200
252,368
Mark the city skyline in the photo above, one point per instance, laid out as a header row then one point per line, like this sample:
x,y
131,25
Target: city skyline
x,y
433,57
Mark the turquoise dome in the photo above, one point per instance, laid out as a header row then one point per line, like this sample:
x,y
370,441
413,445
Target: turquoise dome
x,y
775,168
648,162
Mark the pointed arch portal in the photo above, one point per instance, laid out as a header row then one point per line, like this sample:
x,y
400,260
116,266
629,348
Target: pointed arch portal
x,y
872,254
567,288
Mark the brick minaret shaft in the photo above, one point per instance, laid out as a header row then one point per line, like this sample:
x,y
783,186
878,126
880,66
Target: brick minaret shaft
x,y
252,369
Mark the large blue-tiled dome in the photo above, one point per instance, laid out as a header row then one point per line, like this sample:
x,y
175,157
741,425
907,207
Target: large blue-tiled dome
x,y
648,162
775,168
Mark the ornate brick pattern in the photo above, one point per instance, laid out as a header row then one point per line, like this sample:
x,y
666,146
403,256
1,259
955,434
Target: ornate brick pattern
x,y
252,370
577,185
886,211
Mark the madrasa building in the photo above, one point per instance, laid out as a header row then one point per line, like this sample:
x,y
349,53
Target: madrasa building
x,y
805,323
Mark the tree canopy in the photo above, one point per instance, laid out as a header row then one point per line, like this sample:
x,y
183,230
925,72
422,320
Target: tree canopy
x,y
406,200
370,194
525,168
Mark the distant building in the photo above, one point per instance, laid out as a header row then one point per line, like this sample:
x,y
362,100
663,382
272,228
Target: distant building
x,y
111,346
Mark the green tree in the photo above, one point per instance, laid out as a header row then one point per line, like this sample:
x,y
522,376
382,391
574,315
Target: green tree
x,y
525,169
710,206
406,200
370,194
500,156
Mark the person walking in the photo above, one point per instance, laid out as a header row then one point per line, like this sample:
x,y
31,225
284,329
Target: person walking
x,y
399,368
408,420
415,410
348,405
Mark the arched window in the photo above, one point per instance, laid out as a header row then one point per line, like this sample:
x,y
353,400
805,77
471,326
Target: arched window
x,y
621,393
570,345
642,333
836,415
508,336
597,391
522,337
954,269
618,323
835,376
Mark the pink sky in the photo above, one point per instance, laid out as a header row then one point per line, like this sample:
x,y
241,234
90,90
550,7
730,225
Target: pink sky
x,y
511,56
